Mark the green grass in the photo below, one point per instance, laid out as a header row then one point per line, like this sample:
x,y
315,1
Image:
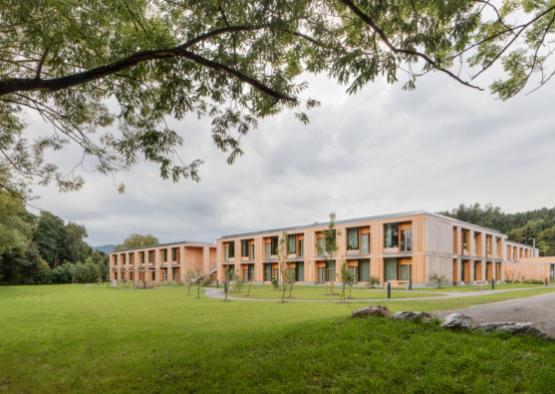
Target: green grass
x,y
320,293
85,338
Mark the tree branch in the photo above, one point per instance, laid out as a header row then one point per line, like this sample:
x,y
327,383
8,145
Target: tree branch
x,y
41,62
33,84
410,52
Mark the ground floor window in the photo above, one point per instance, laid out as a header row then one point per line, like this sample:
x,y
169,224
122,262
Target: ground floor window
x,y
390,269
229,272
404,272
299,272
326,272
267,272
363,274
248,272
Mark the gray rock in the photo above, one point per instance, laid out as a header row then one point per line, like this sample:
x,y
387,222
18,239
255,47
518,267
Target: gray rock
x,y
521,328
380,311
413,315
457,321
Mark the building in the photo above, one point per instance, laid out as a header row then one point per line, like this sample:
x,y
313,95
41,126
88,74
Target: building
x,y
393,248
163,263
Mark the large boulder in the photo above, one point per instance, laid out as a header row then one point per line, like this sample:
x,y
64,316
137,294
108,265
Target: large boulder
x,y
457,321
380,311
413,315
521,328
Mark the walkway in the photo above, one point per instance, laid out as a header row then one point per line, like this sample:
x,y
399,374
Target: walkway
x,y
219,293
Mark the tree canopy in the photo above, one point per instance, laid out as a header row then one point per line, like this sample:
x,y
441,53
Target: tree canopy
x,y
108,74
138,241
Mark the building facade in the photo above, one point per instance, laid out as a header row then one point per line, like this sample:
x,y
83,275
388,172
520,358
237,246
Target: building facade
x,y
163,263
392,248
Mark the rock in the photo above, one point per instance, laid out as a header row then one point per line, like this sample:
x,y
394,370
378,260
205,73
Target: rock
x,y
410,315
457,321
521,328
380,311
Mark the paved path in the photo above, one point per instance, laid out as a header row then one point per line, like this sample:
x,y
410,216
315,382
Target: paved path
x,y
219,293
539,309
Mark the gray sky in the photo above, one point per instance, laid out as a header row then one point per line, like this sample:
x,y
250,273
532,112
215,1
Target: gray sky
x,y
382,150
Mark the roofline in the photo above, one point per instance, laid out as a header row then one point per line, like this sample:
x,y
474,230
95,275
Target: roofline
x,y
190,243
319,224
491,230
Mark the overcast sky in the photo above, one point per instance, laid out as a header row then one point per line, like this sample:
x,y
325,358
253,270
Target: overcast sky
x,y
383,150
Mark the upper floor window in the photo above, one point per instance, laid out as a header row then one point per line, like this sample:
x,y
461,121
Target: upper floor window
x,y
291,244
406,240
244,248
352,239
229,250
391,239
274,246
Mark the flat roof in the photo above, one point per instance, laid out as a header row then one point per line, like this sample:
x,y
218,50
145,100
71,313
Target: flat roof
x,y
192,243
370,218
318,224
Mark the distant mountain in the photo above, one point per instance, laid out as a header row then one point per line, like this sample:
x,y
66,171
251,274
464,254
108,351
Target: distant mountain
x,y
105,248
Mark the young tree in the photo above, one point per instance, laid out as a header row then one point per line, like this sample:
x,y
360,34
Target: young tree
x,y
329,252
283,262
438,280
347,278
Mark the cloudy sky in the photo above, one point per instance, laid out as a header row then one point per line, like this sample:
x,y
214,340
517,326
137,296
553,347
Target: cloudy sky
x,y
382,150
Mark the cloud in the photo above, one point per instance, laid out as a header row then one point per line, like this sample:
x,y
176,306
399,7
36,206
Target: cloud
x,y
382,150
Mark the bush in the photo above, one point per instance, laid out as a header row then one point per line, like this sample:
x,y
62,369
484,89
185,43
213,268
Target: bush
x,y
63,273
373,281
85,272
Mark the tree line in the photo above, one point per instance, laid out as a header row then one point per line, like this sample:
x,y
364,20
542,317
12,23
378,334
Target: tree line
x,y
524,227
43,248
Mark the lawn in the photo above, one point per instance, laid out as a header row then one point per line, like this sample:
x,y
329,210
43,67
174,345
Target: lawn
x,y
321,293
498,286
88,338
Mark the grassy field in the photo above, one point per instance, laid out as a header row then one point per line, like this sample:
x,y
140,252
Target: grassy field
x,y
498,286
86,338
321,293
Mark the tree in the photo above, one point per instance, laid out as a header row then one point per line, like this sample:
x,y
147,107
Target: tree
x,y
347,278
439,280
50,236
329,251
138,241
285,272
233,62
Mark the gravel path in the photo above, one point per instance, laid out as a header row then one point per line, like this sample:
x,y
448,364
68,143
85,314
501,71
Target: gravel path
x,y
539,309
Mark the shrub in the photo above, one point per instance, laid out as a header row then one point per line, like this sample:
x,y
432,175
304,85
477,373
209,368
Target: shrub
x,y
62,273
373,281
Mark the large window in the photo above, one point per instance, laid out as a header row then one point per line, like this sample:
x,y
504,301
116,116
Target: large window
x,y
352,239
406,240
390,270
267,272
274,246
291,244
244,248
299,272
363,270
391,239
365,244
229,249
321,246
301,247
404,272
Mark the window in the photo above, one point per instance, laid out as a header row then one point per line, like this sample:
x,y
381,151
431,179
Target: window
x,y
267,250
251,252
406,240
391,235
244,248
363,270
321,246
267,272
291,244
274,246
365,243
301,248
404,272
230,250
164,255
352,239
299,272
390,269
174,254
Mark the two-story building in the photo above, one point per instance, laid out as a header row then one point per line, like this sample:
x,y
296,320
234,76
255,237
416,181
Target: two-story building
x,y
392,248
168,262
